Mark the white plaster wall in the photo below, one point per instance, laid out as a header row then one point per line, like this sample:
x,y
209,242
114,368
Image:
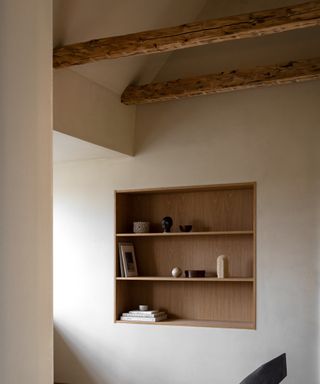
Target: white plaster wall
x,y
90,112
270,136
26,337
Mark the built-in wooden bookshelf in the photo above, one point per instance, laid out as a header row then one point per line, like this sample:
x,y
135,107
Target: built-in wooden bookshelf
x,y
223,219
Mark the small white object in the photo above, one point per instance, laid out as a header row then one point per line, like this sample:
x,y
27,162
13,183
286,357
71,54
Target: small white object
x,y
143,308
141,227
222,267
176,272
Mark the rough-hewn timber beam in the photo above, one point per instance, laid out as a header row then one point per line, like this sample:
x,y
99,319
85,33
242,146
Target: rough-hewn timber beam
x,y
190,35
293,71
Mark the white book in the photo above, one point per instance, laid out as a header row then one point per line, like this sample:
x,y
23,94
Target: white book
x,y
144,314
146,319
137,312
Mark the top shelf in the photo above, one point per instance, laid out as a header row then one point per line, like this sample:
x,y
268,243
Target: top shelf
x,y
172,234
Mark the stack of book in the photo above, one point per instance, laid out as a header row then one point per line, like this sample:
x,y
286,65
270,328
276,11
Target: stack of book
x,y
148,316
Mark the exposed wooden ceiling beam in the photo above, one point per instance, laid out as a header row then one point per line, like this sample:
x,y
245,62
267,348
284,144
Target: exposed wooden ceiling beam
x,y
293,71
190,35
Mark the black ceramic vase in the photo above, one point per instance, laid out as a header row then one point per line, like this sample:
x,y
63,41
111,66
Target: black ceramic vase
x,y
166,223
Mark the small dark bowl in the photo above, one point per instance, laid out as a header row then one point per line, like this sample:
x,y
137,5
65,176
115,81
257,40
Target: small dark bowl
x,y
195,273
185,228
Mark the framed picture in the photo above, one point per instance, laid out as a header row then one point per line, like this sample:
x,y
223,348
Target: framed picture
x,y
128,264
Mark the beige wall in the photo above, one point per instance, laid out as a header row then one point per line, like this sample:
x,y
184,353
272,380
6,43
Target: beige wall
x,y
270,136
89,112
25,193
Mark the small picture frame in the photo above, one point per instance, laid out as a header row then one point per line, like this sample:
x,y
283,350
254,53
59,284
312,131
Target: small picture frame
x,y
127,260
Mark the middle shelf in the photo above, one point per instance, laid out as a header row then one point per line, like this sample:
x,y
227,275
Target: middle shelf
x,y
170,234
179,279
157,256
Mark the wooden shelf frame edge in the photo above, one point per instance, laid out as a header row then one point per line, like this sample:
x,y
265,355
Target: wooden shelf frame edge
x,y
186,188
196,323
255,254
187,279
199,233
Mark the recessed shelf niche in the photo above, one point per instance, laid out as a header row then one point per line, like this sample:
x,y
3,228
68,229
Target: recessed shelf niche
x,y
223,220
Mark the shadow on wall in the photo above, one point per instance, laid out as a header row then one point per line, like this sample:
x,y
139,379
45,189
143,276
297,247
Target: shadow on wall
x,y
64,354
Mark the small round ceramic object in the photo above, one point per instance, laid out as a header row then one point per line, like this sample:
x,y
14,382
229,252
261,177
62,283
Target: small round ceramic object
x,y
143,307
141,227
176,272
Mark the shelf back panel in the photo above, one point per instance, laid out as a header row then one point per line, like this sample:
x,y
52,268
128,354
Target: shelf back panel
x,y
158,256
209,210
196,300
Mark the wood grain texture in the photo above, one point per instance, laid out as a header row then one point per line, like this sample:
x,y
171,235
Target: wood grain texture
x,y
157,256
254,255
190,279
226,301
225,218
197,323
190,35
193,188
235,80
173,234
208,210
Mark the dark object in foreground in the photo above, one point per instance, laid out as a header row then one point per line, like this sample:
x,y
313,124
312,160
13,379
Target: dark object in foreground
x,y
195,273
272,372
185,228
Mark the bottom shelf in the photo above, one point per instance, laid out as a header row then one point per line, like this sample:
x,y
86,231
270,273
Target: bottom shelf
x,y
197,323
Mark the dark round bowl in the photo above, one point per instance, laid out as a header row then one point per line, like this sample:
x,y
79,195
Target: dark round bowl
x,y
185,228
195,273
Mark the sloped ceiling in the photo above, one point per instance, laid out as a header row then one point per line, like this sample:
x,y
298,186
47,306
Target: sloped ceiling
x,y
82,20
246,53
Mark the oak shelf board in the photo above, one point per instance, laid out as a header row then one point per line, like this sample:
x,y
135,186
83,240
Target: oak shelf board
x,y
193,188
196,323
184,279
172,234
